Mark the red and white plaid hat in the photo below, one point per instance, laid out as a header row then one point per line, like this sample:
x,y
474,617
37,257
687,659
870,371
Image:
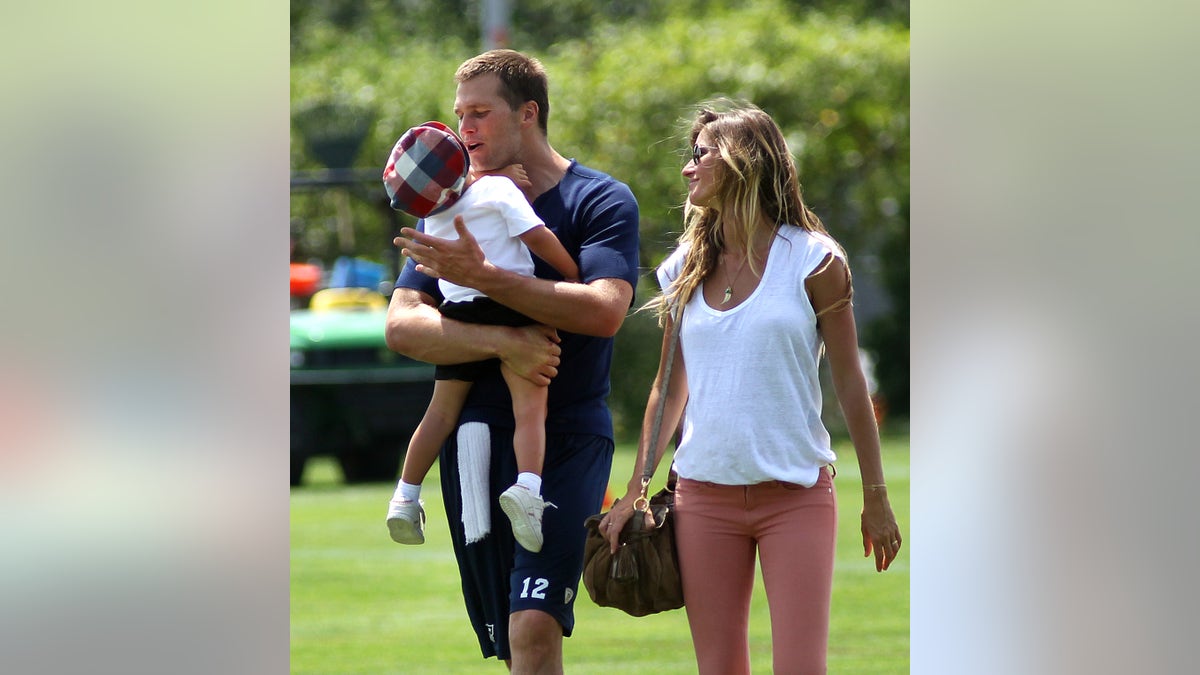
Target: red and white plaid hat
x,y
427,170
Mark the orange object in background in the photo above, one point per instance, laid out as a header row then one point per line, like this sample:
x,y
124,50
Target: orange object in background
x,y
608,500
880,407
305,279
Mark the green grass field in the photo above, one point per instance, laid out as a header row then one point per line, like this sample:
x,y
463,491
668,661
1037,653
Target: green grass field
x,y
363,604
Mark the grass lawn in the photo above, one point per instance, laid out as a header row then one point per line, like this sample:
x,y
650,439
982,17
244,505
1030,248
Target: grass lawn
x,y
363,604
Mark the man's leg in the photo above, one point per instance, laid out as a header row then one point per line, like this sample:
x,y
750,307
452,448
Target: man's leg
x,y
484,566
544,585
536,641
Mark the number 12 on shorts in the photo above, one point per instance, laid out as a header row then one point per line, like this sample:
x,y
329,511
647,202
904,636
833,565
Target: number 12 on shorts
x,y
539,588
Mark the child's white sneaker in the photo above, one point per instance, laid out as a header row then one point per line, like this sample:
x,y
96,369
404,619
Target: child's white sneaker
x,y
406,521
524,509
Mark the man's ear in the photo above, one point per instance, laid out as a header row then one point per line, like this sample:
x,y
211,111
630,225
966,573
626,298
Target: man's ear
x,y
529,112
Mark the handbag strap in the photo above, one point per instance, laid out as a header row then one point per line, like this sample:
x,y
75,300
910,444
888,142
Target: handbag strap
x,y
656,425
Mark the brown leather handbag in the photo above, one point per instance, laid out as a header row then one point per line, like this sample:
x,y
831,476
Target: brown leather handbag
x,y
642,577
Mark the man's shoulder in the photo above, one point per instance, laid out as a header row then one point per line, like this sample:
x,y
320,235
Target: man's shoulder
x,y
586,172
587,178
585,189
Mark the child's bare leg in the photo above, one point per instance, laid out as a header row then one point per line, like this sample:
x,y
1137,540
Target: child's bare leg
x,y
406,517
523,503
435,427
529,411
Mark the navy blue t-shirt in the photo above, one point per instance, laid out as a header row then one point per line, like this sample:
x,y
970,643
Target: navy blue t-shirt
x,y
596,219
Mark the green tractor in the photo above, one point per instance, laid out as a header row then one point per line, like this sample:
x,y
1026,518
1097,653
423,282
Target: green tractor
x,y
352,398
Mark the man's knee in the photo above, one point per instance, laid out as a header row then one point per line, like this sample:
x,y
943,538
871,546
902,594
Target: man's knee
x,y
535,637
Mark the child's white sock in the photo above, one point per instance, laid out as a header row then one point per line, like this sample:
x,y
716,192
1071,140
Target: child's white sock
x,y
530,480
406,492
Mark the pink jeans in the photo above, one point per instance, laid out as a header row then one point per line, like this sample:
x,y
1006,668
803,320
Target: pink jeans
x,y
794,529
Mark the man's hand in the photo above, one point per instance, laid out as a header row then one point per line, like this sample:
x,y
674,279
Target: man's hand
x,y
459,261
533,353
595,308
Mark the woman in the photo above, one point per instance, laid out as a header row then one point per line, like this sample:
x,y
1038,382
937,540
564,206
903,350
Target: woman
x,y
765,291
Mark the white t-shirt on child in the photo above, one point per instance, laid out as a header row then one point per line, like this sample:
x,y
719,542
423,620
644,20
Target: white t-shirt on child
x,y
497,213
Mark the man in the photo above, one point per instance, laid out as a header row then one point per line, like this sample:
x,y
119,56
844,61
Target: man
x,y
521,604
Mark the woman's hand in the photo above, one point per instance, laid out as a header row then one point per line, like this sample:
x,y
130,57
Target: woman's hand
x,y
614,521
879,529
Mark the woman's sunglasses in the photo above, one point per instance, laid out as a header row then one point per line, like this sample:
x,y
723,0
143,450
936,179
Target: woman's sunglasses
x,y
699,151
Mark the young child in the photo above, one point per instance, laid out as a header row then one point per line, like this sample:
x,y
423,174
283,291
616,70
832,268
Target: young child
x,y
428,176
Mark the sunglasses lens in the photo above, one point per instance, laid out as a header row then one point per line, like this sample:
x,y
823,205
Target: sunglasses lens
x,y
697,153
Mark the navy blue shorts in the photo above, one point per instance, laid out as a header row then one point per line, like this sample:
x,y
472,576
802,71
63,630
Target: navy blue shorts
x,y
499,577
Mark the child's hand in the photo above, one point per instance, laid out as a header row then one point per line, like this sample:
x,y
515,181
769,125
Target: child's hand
x,y
515,173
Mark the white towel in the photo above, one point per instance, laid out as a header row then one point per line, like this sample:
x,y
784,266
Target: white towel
x,y
474,458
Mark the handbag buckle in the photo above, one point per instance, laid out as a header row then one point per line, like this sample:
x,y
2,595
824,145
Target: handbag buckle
x,y
642,503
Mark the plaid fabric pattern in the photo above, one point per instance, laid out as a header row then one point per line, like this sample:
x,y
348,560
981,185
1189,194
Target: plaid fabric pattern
x,y
427,170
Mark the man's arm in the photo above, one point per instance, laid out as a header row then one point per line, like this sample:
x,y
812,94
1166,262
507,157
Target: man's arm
x,y
416,329
597,308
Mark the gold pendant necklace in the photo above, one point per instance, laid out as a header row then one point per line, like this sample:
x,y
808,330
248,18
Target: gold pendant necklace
x,y
729,288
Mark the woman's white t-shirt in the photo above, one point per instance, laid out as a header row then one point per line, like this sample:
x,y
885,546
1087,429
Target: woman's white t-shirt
x,y
754,408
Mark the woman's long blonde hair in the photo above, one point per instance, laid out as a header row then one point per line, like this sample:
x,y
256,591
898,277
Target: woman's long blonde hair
x,y
758,184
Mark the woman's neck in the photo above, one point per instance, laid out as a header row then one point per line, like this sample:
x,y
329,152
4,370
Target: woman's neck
x,y
760,239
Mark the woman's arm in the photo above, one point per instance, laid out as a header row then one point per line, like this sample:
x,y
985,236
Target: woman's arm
x,y
828,289
676,398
